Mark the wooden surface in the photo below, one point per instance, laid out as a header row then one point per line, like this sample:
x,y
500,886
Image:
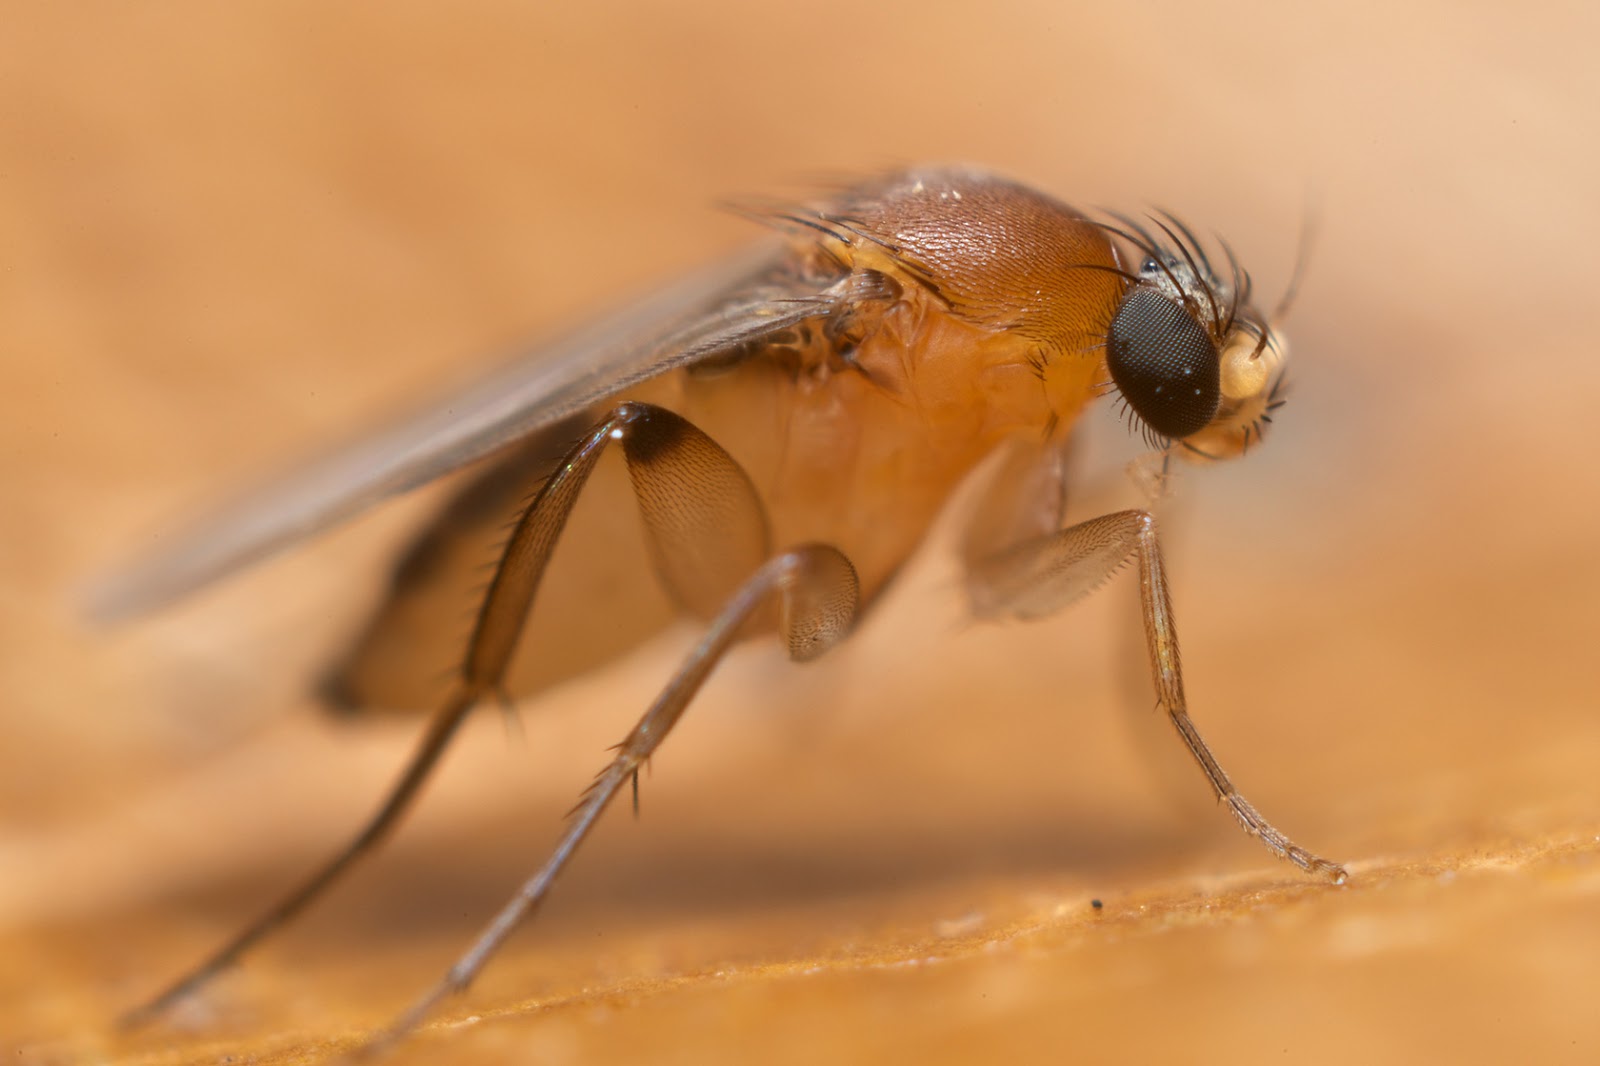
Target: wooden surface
x,y
230,233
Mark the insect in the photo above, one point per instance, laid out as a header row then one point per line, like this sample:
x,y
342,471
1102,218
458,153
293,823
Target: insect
x,y
790,425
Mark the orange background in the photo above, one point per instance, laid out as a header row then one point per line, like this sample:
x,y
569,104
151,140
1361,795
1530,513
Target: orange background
x,y
231,232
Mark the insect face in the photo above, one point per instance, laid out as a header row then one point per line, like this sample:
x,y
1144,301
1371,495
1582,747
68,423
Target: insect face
x,y
1188,360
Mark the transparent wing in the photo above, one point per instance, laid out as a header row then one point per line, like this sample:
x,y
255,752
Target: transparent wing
x,y
711,313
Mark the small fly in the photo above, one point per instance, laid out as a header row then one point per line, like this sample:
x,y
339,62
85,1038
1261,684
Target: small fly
x,y
791,423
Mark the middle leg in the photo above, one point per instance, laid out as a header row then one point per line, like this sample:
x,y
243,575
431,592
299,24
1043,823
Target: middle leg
x,y
817,596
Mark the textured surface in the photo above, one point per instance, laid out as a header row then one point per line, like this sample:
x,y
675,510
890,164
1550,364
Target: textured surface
x,y
232,232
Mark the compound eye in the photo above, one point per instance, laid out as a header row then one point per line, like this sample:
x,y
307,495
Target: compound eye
x,y
1164,364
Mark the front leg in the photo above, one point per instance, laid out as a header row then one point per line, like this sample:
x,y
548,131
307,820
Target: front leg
x,y
1044,574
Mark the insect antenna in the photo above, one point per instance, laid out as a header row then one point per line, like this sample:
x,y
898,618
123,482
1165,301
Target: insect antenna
x,y
1309,227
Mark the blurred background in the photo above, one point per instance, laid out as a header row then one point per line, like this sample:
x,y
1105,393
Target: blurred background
x,y
232,234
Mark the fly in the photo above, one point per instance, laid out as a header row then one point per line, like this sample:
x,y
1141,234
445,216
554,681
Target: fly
x,y
791,422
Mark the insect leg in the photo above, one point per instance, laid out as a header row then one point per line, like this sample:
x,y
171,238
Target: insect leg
x,y
817,597
1044,574
440,730
704,521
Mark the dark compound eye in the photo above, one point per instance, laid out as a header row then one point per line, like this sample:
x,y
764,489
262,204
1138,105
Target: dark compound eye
x,y
1164,364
